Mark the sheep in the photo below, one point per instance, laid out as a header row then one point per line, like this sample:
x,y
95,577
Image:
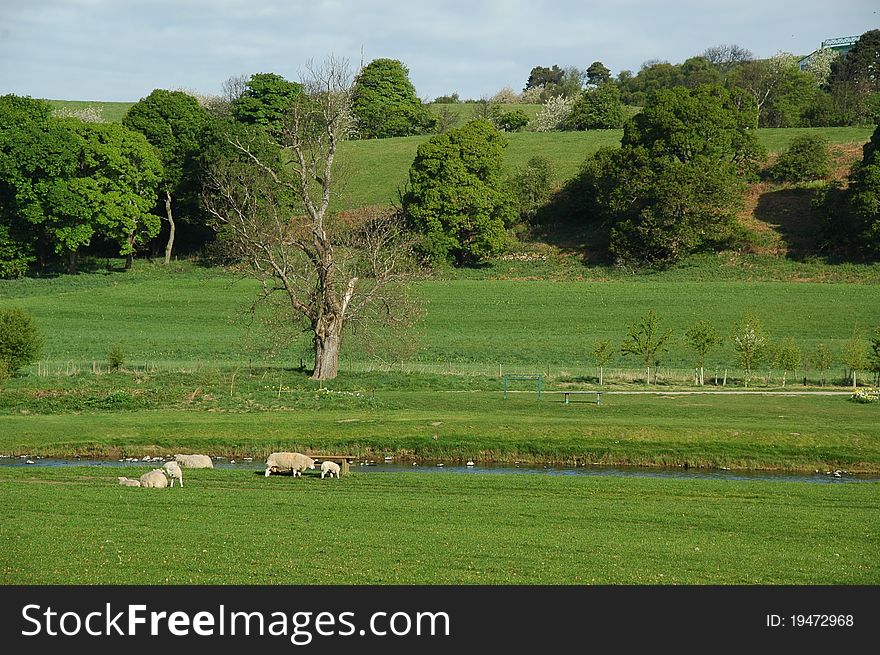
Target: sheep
x,y
194,461
155,479
128,482
329,467
295,462
172,470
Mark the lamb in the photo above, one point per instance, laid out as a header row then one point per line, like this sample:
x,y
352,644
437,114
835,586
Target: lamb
x,y
172,470
329,467
155,479
295,462
194,461
128,482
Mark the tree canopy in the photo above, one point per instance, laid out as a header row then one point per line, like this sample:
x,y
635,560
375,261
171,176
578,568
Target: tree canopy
x,y
173,122
457,198
265,101
676,183
63,181
596,108
385,102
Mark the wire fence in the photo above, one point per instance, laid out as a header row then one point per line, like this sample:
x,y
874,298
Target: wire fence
x,y
553,373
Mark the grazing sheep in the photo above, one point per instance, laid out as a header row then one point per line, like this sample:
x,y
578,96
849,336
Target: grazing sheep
x,y
194,461
172,470
155,479
329,467
296,462
128,482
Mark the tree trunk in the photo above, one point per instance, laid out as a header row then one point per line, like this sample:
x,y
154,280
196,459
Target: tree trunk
x,y
649,375
600,376
170,245
327,340
129,258
71,263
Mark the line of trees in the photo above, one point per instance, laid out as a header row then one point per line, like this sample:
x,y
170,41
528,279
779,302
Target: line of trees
x,y
831,89
648,341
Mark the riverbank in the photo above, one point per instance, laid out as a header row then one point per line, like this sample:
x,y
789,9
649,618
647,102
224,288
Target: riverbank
x,y
736,431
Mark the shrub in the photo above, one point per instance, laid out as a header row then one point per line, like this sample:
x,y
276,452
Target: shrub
x,y
555,111
531,187
506,96
116,357
807,158
512,121
457,198
20,339
596,109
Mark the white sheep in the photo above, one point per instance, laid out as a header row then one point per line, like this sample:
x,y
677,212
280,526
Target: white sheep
x,y
172,470
128,482
155,479
329,467
296,462
194,461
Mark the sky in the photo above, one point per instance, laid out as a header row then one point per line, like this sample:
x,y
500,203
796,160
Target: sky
x,y
120,50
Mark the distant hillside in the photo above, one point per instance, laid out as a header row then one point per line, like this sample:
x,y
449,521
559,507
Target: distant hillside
x,y
376,168
110,112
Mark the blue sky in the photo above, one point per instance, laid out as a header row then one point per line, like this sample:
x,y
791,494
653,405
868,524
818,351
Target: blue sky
x,y
123,49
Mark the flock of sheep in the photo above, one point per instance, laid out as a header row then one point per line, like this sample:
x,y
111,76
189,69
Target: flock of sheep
x,y
295,463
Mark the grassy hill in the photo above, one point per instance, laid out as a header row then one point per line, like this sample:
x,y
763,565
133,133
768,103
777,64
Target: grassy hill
x,y
376,168
110,112
372,171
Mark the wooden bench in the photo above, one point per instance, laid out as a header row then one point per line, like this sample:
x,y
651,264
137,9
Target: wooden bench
x,y
566,395
344,461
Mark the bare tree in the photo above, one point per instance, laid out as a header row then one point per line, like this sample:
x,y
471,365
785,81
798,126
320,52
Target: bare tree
x,y
273,210
762,78
234,87
726,56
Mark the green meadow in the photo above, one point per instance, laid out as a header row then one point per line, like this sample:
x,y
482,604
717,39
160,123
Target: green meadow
x,y
197,317
196,379
77,525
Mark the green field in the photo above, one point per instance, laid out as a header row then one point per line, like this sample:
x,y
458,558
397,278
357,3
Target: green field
x,y
375,169
195,380
110,112
188,318
231,527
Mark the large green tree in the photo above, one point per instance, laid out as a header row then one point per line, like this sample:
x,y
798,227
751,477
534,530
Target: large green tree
x,y
598,108
46,198
115,186
173,122
861,65
675,185
29,164
266,101
457,197
863,197
597,74
385,102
